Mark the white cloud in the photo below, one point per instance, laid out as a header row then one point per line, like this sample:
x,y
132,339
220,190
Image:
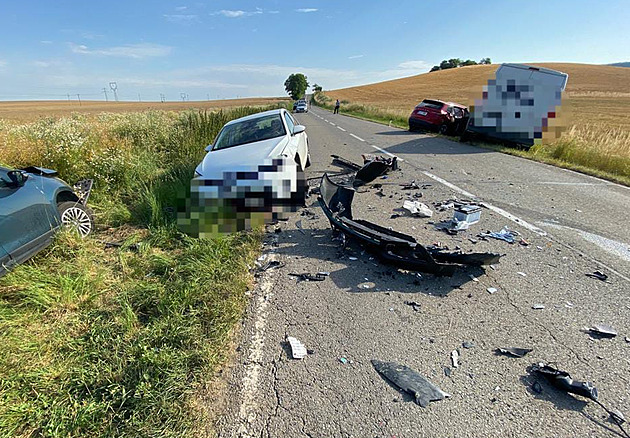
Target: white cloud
x,y
355,57
273,12
306,10
181,8
181,18
137,51
237,13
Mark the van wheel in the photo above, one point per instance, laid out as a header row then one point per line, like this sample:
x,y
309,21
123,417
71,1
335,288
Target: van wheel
x,y
443,129
76,216
308,160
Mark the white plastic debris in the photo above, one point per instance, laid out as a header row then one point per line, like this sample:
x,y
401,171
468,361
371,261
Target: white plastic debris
x,y
455,358
417,208
538,306
491,290
473,278
298,350
352,258
522,274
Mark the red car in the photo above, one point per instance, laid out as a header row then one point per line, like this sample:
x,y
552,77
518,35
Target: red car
x,y
435,115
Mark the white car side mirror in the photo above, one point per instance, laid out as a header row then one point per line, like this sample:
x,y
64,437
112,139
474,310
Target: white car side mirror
x,y
298,128
208,148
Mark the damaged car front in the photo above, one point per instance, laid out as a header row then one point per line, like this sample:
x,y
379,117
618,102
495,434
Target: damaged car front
x,y
34,204
252,174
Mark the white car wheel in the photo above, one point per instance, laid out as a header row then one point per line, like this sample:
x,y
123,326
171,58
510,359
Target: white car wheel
x,y
76,216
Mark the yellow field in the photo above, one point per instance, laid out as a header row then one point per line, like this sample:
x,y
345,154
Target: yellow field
x,y
24,111
595,94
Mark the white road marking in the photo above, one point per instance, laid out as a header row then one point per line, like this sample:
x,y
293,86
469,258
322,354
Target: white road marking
x,y
325,120
498,210
332,123
249,403
552,183
357,137
342,129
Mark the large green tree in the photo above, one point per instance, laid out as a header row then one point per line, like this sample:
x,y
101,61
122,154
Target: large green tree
x,y
296,85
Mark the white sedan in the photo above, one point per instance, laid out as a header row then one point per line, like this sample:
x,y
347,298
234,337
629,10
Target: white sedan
x,y
253,173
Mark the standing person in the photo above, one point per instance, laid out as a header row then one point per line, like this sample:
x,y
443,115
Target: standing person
x,y
336,111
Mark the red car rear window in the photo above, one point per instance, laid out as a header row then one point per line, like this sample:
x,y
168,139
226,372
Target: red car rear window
x,y
434,104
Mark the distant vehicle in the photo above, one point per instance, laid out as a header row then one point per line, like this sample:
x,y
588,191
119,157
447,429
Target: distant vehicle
x,y
301,107
34,204
298,102
256,165
518,105
435,115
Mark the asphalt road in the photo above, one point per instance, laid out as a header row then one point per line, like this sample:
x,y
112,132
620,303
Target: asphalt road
x,y
574,224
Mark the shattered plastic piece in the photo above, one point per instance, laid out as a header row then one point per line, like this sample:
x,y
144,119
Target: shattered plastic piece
x,y
537,388
298,350
272,264
617,416
562,380
468,344
599,275
305,276
352,258
392,247
514,351
538,306
447,371
343,360
603,330
455,358
415,305
417,208
410,186
491,290
505,234
473,278
410,381
298,225
522,274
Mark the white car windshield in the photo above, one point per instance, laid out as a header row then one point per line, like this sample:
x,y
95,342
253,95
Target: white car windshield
x,y
250,131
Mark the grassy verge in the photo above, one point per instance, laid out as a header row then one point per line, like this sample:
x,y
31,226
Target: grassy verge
x,y
596,150
123,341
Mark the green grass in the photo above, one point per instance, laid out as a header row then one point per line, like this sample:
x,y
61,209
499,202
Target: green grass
x,y
111,342
594,150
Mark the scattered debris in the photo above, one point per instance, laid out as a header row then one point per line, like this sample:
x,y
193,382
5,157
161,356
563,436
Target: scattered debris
x,y
627,339
617,416
514,351
298,350
305,276
538,306
603,330
522,274
298,225
391,246
455,358
343,360
505,234
537,388
468,344
562,380
414,305
352,258
271,264
523,242
417,208
447,371
492,290
410,186
467,213
340,161
599,275
410,381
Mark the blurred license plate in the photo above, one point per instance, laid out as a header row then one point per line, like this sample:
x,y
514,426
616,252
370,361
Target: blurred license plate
x,y
422,113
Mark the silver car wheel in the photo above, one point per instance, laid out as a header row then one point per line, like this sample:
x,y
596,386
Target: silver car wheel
x,y
78,219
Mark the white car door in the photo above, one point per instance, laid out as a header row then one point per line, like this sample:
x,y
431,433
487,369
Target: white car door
x,y
298,142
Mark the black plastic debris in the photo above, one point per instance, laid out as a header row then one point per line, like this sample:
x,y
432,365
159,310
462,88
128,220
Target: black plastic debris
x,y
603,330
562,380
391,246
514,351
410,186
414,305
410,381
340,161
468,344
598,274
298,225
305,276
271,264
373,167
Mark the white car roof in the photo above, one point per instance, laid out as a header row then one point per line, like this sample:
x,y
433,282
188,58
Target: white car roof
x,y
257,115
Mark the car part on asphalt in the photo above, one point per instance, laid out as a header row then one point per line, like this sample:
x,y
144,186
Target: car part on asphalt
x,y
410,381
562,380
455,358
271,264
373,167
298,350
514,351
603,331
598,274
417,208
414,305
340,161
391,246
410,186
298,225
305,276
469,213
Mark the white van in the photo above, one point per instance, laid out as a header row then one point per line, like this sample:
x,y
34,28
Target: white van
x,y
518,104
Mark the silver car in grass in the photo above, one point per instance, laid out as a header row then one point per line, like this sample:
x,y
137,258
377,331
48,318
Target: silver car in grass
x,y
34,204
253,173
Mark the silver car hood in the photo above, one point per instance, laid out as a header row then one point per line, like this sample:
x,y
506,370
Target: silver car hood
x,y
244,157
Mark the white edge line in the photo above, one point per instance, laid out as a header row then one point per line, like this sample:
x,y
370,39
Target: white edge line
x,y
358,138
498,210
332,123
341,128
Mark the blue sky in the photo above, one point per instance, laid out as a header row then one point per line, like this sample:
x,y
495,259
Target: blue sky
x,y
226,49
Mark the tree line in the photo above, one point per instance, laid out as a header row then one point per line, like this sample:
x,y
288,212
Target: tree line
x,y
456,62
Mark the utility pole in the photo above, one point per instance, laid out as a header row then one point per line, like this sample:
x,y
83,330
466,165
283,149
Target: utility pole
x,y
79,97
105,93
183,96
208,96
162,97
114,87
68,97
139,99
